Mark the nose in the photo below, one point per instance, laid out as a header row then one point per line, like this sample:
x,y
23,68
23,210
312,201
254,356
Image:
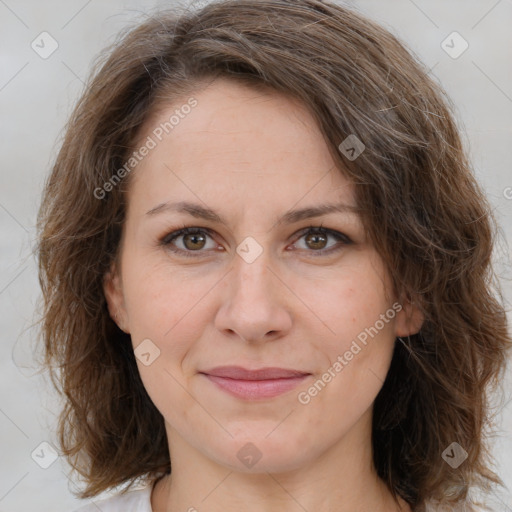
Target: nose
x,y
255,305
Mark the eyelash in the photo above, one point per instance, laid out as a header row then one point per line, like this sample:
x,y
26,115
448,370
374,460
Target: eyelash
x,y
317,230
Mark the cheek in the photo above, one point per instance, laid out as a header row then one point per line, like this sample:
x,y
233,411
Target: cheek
x,y
358,334
348,305
164,306
159,295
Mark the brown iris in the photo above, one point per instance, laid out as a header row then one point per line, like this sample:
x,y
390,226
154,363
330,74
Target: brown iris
x,y
194,239
318,240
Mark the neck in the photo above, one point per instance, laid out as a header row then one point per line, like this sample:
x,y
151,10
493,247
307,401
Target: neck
x,y
343,479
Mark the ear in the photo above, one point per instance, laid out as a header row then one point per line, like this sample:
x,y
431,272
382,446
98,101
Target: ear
x,y
113,290
409,319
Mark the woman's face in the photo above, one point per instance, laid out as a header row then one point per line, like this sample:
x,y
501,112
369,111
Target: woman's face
x,y
252,288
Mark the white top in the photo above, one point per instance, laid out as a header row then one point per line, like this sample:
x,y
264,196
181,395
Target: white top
x,y
138,500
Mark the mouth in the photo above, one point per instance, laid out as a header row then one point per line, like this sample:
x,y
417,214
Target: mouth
x,y
255,384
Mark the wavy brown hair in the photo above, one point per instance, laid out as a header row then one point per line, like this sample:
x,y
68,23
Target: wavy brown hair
x,y
422,207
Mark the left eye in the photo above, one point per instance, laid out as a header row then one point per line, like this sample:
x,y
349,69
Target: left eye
x,y
318,236
194,239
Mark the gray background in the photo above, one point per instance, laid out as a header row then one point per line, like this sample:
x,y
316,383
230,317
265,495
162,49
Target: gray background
x,y
36,96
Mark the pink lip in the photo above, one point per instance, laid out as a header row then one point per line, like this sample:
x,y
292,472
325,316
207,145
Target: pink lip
x,y
254,384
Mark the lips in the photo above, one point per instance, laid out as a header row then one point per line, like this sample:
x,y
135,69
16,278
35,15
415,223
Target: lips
x,y
255,384
239,373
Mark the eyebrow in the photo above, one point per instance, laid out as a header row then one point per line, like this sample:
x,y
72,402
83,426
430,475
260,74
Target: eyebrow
x,y
290,217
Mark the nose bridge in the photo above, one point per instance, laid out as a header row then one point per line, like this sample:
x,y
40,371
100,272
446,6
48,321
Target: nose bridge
x,y
253,305
251,272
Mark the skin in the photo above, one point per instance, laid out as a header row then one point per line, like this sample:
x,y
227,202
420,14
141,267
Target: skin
x,y
252,156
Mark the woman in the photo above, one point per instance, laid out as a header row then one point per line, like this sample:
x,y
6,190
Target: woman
x,y
266,271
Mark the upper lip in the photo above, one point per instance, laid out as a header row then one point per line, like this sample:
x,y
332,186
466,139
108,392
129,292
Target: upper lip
x,y
239,373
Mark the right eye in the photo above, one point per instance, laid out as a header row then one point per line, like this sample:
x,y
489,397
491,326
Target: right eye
x,y
193,239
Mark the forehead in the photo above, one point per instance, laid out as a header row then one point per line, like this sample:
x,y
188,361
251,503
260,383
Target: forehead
x,y
257,144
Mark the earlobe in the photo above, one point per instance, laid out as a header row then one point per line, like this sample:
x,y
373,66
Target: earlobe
x,y
409,319
113,291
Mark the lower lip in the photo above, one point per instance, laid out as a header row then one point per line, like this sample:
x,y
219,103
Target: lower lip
x,y
255,389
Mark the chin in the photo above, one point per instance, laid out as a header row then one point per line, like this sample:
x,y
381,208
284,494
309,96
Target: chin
x,y
261,454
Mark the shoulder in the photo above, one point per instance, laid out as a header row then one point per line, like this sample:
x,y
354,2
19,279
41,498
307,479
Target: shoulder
x,y
489,504
138,500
